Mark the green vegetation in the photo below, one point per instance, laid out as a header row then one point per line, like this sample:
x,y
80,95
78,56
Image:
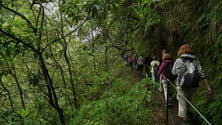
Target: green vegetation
x,y
61,61
123,103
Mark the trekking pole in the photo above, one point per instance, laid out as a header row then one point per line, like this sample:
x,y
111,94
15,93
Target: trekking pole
x,y
167,100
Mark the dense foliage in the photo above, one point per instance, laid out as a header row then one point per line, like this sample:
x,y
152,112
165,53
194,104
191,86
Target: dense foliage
x,y
60,60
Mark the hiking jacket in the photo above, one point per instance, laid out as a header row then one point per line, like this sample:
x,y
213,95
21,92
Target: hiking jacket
x,y
162,66
147,60
140,60
153,63
179,62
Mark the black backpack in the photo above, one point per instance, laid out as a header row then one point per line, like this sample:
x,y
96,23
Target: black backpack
x,y
167,71
156,68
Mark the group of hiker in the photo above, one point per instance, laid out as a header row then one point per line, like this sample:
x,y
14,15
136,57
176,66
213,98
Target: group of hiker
x,y
186,71
140,63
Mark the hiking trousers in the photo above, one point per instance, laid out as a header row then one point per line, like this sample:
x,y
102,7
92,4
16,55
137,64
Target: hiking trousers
x,y
154,76
182,103
165,89
160,86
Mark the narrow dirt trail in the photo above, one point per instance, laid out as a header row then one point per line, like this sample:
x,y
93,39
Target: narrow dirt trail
x,y
157,100
173,119
161,111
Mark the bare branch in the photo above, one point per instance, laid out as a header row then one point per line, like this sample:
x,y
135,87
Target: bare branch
x,y
18,40
22,16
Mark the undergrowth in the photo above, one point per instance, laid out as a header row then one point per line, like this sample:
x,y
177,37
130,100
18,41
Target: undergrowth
x,y
123,102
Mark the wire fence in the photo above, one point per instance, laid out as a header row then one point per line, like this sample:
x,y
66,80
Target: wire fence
x,y
198,112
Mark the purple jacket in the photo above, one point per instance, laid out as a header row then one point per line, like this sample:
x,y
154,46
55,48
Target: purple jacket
x,y
162,66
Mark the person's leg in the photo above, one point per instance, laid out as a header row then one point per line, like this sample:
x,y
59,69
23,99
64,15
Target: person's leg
x,y
183,104
164,82
142,69
131,65
145,68
153,76
139,68
160,86
148,70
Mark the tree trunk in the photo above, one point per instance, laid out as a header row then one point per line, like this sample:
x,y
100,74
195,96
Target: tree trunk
x,y
70,77
64,44
106,59
14,74
53,101
61,70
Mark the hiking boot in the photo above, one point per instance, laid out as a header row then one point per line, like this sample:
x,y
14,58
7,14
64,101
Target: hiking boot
x,y
185,122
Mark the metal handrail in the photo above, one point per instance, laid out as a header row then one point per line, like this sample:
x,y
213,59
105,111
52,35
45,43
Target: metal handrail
x,y
190,104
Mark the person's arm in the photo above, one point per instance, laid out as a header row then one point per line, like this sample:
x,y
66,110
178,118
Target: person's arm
x,y
161,68
207,85
176,66
203,77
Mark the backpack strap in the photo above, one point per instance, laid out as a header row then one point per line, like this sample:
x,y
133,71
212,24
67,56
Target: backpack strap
x,y
184,59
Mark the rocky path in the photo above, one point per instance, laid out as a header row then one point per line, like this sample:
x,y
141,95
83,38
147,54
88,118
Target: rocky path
x,y
172,118
161,111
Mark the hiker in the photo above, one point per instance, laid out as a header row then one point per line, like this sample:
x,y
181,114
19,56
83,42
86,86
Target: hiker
x,y
154,66
130,61
135,65
161,58
147,61
125,57
165,69
185,56
160,76
140,63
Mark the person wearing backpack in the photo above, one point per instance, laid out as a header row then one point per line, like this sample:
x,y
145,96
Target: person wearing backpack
x,y
164,51
165,70
188,69
147,60
154,66
130,61
140,63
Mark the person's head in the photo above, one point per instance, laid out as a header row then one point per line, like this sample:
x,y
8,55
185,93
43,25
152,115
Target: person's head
x,y
166,56
184,49
154,57
164,51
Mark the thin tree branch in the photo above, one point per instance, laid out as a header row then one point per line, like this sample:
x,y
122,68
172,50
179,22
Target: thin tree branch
x,y
58,39
22,16
18,40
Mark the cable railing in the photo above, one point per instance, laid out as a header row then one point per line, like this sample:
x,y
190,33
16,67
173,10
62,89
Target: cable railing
x,y
187,102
